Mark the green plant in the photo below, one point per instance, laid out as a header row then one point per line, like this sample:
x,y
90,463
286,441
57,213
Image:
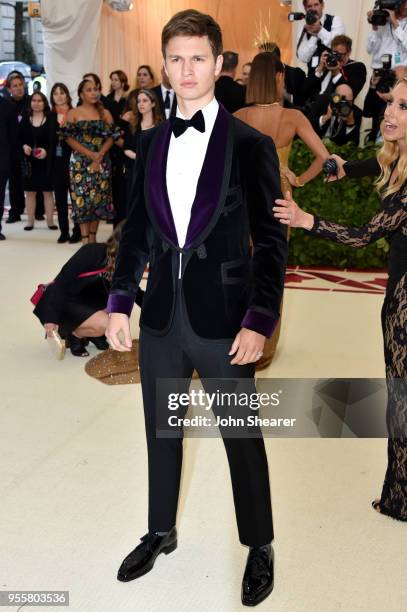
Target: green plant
x,y
349,202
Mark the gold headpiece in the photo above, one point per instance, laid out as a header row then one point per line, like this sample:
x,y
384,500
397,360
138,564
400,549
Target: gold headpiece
x,y
266,33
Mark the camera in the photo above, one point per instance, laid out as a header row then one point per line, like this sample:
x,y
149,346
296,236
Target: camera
x,y
386,74
310,17
341,107
332,59
380,15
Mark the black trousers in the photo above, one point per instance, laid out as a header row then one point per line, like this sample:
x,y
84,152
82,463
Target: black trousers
x,y
16,190
3,182
175,355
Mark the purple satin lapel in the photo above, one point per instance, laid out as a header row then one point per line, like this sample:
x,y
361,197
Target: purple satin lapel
x,y
208,188
158,194
210,180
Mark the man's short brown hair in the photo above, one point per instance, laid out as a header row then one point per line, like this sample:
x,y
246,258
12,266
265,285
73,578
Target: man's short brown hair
x,y
193,23
341,39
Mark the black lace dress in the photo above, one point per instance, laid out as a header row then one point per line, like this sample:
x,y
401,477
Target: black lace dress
x,y
390,222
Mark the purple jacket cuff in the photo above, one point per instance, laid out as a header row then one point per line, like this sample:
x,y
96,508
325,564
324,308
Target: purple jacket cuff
x,y
120,303
260,323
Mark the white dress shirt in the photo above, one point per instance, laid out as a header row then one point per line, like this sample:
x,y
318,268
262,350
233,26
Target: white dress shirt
x,y
387,39
308,46
164,95
186,155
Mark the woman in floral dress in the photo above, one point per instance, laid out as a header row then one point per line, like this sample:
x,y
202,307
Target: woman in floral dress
x,y
90,133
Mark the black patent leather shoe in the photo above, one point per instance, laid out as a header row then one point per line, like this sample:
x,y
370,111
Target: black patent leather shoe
x,y
141,560
258,578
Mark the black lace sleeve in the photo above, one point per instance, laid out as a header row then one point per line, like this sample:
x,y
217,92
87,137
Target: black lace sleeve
x,y
385,222
362,167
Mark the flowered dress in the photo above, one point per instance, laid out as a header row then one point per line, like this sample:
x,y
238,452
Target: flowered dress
x,y
91,192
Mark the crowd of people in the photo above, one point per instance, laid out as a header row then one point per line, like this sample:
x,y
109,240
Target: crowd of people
x,y
58,150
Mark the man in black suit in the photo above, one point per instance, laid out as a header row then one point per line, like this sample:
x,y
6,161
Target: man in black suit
x,y
294,78
8,147
20,101
227,91
204,187
336,71
166,97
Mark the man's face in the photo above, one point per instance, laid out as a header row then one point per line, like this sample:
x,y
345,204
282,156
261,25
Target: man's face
x,y
343,51
16,89
346,92
314,5
191,66
246,74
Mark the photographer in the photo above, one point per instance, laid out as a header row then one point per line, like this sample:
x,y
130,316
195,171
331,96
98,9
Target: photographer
x,y
341,121
389,34
336,68
317,34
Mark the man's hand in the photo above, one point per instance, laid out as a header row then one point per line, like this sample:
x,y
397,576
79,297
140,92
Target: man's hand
x,y
328,115
350,119
247,347
322,62
27,150
393,19
119,324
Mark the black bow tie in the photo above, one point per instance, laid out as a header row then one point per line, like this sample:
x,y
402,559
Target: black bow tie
x,y
179,126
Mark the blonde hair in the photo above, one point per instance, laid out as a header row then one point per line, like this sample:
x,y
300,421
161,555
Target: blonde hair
x,y
388,154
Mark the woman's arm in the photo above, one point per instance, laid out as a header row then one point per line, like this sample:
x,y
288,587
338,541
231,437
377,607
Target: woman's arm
x,y
307,134
380,225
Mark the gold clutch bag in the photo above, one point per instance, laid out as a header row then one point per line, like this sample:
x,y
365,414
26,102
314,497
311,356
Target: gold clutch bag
x,y
57,345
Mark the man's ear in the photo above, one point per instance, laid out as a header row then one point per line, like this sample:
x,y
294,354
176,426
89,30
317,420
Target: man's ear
x,y
218,65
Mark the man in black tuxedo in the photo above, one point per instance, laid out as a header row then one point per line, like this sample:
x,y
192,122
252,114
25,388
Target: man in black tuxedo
x,y
204,187
8,147
166,97
227,91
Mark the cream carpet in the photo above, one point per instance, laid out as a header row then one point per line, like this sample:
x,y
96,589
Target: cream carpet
x,y
73,472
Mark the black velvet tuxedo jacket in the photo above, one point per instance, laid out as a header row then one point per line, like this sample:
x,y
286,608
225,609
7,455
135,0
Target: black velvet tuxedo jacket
x,y
225,282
